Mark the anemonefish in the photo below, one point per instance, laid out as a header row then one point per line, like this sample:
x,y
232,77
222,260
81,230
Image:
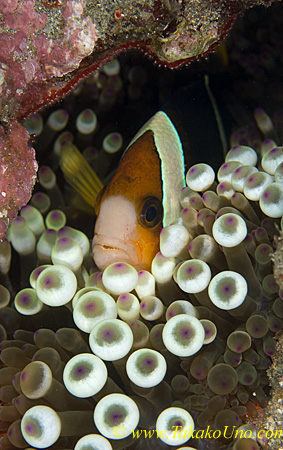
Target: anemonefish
x,y
142,197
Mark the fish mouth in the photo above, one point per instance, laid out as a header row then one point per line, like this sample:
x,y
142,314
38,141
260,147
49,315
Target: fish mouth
x,y
107,250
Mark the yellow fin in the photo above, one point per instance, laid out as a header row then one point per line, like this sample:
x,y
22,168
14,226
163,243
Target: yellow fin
x,y
222,53
79,174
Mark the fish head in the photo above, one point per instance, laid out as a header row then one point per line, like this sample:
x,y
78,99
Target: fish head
x,y
129,210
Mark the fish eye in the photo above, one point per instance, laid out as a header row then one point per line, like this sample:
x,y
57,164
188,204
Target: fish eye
x,y
151,213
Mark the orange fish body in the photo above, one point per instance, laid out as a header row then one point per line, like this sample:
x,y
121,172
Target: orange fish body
x,y
135,205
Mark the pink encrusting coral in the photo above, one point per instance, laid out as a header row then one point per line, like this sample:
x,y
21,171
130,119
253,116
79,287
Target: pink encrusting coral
x,y
36,46
32,54
18,169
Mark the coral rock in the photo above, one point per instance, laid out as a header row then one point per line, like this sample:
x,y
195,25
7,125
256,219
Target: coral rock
x,y
49,45
17,172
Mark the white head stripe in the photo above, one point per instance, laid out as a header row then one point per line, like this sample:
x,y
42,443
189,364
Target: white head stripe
x,y
170,152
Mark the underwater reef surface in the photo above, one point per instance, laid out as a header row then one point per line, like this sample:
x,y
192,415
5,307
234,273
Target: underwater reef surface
x,y
50,355
48,46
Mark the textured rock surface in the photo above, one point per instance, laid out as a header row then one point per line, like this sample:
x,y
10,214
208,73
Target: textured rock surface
x,y
271,419
17,172
46,46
